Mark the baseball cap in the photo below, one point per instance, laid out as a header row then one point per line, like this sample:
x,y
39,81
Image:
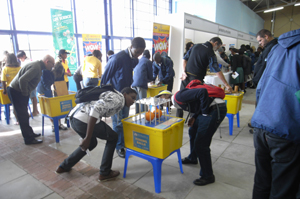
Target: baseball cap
x,y
63,51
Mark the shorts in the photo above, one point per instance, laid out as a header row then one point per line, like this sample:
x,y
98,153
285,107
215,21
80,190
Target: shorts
x,y
33,93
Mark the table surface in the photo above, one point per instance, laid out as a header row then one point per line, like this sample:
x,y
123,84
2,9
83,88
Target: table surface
x,y
215,80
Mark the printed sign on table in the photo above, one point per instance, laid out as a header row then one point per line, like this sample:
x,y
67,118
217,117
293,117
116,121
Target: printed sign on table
x,y
161,35
91,42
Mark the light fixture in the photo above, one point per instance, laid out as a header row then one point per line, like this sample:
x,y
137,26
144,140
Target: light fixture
x,y
297,4
273,9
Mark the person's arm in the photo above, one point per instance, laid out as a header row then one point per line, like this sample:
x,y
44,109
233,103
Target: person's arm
x,y
149,71
169,69
185,60
89,132
214,64
155,71
110,70
4,87
68,72
30,74
220,60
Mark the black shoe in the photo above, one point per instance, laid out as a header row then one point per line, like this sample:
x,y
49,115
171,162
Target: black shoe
x,y
188,161
251,131
34,141
121,153
204,181
36,135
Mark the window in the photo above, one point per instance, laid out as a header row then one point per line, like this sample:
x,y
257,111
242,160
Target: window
x,y
6,45
35,15
4,15
163,7
143,18
121,15
90,17
36,46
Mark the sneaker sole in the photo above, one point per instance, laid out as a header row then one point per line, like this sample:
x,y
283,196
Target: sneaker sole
x,y
108,179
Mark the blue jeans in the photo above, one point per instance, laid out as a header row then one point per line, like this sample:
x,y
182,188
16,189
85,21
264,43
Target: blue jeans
x,y
102,131
277,163
201,134
141,93
87,81
118,126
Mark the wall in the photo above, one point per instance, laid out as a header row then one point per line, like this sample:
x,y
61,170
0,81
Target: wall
x,y
236,15
283,22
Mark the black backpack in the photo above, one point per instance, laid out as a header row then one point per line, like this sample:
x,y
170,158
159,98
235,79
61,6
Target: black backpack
x,y
91,93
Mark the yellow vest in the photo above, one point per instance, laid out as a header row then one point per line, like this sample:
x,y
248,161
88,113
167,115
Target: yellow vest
x,y
92,67
66,67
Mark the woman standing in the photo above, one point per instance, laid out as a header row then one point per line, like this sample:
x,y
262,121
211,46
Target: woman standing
x,y
62,55
92,69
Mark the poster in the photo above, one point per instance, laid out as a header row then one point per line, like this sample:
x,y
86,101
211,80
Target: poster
x,y
63,35
160,38
91,42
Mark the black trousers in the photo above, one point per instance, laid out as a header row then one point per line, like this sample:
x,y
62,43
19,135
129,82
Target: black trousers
x,y
77,79
20,104
277,162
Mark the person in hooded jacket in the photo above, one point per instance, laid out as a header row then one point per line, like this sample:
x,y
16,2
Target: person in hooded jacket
x,y
276,122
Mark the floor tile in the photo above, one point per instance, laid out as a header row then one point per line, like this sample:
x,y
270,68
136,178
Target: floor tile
x,y
25,186
240,153
53,196
9,171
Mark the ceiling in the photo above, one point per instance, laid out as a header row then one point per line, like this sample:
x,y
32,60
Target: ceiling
x,y
261,5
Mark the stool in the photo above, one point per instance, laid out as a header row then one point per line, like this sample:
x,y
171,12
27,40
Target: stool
x,y
55,123
156,164
7,112
231,118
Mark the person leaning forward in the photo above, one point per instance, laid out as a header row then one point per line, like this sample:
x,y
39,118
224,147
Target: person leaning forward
x,y
85,119
195,64
19,90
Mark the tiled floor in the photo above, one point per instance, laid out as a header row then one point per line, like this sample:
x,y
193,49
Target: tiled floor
x,y
28,171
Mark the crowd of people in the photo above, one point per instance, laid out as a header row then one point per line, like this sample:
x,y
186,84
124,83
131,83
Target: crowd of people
x,y
275,121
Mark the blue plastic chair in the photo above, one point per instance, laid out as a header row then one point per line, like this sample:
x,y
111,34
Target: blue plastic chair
x,y
55,123
156,164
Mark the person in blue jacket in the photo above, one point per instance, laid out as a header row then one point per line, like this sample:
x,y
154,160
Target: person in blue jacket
x,y
142,75
163,67
118,73
276,122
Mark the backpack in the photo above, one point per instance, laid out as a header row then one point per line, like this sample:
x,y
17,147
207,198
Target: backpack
x,y
213,91
91,93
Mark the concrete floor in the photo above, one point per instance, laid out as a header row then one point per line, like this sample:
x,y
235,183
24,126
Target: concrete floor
x,y
28,171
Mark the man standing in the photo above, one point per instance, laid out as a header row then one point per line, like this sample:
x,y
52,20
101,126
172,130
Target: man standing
x,y
276,122
195,64
265,39
163,67
118,73
19,90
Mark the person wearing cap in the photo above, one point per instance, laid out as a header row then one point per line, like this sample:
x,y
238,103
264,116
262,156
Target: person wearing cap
x,y
19,90
118,73
207,115
141,76
62,56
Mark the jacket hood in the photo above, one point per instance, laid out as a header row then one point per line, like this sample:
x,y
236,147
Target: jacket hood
x,y
289,39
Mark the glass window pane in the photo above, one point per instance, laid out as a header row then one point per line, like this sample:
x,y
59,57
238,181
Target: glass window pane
x,y
36,46
4,15
121,14
39,19
90,17
6,45
162,7
143,18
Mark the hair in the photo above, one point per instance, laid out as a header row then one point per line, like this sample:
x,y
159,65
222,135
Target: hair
x,y
241,51
146,54
110,52
251,50
264,32
216,39
235,50
128,90
260,48
98,54
224,48
188,46
5,53
20,54
138,42
156,56
248,47
11,60
58,70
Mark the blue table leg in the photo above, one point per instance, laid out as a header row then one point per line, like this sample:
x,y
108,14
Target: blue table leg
x,y
156,163
179,160
43,125
0,110
56,129
7,113
238,119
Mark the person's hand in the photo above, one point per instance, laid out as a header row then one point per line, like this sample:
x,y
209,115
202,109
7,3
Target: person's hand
x,y
233,73
191,122
85,143
153,82
229,88
183,76
4,92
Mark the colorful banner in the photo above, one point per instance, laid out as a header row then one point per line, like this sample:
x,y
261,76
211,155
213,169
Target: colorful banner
x,y
91,42
63,35
160,38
